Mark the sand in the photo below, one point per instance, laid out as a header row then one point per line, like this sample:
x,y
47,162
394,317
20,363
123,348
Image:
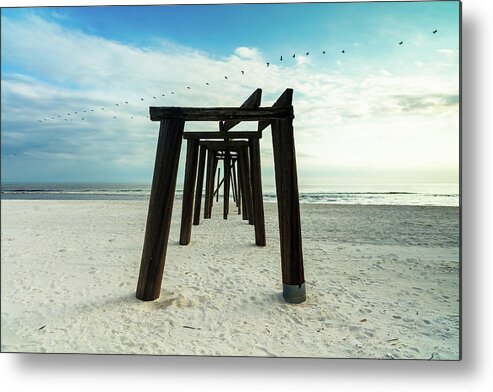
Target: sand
x,y
381,281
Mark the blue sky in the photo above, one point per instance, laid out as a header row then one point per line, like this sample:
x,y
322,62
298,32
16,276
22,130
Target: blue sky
x,y
379,113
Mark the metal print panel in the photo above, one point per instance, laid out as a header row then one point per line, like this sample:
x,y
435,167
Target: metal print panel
x,y
271,180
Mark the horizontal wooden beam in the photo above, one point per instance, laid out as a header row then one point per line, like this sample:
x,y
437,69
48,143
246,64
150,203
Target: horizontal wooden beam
x,y
158,113
222,145
222,135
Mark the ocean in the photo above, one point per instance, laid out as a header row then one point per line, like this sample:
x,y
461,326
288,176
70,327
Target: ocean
x,y
358,194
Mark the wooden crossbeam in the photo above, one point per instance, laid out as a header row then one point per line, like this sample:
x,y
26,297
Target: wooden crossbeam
x,y
285,99
220,113
222,135
223,145
253,101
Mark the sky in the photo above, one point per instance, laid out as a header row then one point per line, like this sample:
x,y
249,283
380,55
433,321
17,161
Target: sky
x,y
381,112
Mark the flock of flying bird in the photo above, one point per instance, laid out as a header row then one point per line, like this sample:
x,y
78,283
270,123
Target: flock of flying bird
x,y
83,112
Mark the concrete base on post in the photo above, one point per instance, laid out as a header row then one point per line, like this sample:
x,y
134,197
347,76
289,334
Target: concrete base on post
x,y
293,293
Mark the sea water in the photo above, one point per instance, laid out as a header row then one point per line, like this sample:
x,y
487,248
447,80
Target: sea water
x,y
358,194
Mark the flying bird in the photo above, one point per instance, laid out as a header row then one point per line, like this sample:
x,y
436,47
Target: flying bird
x,y
207,84
114,116
126,102
59,116
435,31
154,97
307,53
85,111
75,112
131,116
68,114
92,110
102,108
343,51
117,104
141,99
39,120
294,55
82,118
188,87
243,72
323,52
280,59
268,65
162,95
225,77
172,92
400,43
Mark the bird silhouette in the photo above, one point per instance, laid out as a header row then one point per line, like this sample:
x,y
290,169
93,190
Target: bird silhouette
x,y
435,31
207,84
343,51
307,53
280,59
92,110
400,43
141,99
323,52
59,116
225,77
39,120
85,111
243,72
82,118
114,116
65,119
268,65
294,55
75,112
126,102
102,108
117,104
131,116
68,114
154,97
188,87
162,95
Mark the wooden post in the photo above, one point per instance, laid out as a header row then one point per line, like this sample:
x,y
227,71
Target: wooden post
x,y
244,215
288,208
160,209
188,188
218,178
200,183
258,203
233,186
236,186
226,161
247,188
209,184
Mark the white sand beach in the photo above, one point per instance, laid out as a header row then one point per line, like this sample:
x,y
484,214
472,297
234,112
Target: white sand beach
x,y
381,282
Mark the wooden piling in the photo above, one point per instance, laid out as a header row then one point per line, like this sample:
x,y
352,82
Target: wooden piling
x,y
227,171
160,209
258,203
288,206
188,190
209,184
200,184
245,178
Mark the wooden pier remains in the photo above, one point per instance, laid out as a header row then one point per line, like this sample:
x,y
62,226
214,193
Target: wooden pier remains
x,y
240,154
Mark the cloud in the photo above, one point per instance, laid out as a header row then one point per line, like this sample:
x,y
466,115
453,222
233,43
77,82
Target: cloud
x,y
59,70
447,52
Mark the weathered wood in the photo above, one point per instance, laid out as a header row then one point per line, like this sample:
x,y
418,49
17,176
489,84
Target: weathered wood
x,y
288,211
188,191
158,113
236,186
221,135
253,101
209,184
217,188
258,203
160,209
224,145
284,100
200,184
233,186
227,173
246,184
